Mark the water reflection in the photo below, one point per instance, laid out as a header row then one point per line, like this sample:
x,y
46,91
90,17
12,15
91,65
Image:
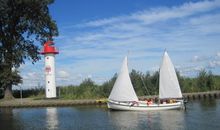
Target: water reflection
x,y
208,103
6,119
201,114
52,120
164,120
124,119
171,120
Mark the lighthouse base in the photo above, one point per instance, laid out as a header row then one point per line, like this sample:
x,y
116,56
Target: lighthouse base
x,y
51,97
51,93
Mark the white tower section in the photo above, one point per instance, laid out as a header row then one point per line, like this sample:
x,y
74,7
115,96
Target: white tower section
x,y
50,75
49,53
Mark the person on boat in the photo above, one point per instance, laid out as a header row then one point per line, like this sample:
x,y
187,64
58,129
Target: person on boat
x,y
163,101
172,101
149,101
156,100
133,103
146,101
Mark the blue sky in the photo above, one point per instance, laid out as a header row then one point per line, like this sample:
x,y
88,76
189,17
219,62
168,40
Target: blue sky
x,y
95,35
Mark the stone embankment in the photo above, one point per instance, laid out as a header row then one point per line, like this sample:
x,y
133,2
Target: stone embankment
x,y
193,96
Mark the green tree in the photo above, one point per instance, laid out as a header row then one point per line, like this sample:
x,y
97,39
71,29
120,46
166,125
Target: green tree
x,y
88,89
148,86
87,82
202,80
23,25
136,79
107,86
155,82
180,78
216,79
210,81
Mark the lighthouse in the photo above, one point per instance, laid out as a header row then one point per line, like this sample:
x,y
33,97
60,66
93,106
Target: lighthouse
x,y
49,52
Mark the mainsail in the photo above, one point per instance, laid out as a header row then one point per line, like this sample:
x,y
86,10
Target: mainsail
x,y
168,83
123,89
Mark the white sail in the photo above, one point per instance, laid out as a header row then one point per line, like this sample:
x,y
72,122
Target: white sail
x,y
168,85
123,89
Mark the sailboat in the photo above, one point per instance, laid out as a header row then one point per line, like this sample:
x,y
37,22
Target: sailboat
x,y
123,96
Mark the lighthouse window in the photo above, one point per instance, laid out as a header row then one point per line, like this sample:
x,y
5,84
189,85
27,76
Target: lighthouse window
x,y
47,57
48,82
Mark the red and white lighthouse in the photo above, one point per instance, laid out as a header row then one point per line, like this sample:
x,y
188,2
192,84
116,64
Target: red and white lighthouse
x,y
49,52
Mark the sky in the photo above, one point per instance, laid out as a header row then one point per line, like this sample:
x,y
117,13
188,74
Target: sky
x,y
95,36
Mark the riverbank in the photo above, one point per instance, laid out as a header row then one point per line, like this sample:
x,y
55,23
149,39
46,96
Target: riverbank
x,y
32,102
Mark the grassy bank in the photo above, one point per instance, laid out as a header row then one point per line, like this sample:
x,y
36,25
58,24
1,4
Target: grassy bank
x,y
205,81
42,102
32,102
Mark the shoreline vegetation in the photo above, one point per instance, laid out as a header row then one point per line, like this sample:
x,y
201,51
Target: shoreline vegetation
x,y
42,102
144,85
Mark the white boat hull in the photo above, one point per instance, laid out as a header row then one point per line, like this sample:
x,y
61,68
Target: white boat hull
x,y
143,106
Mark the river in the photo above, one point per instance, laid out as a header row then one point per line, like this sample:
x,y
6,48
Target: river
x,y
199,115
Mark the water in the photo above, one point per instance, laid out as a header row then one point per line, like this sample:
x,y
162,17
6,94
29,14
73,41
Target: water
x,y
200,115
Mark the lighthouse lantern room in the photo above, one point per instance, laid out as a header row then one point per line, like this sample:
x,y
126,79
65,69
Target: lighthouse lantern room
x,y
49,52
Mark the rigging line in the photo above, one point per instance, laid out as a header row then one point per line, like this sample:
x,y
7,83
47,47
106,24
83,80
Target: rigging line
x,y
145,86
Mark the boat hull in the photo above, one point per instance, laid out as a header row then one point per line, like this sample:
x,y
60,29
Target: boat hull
x,y
142,106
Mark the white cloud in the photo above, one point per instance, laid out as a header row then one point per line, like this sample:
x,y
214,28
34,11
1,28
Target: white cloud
x,y
195,58
63,74
189,32
200,58
89,76
182,30
190,70
159,14
218,54
32,79
213,64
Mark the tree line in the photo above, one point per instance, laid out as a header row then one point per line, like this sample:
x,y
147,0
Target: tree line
x,y
144,84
